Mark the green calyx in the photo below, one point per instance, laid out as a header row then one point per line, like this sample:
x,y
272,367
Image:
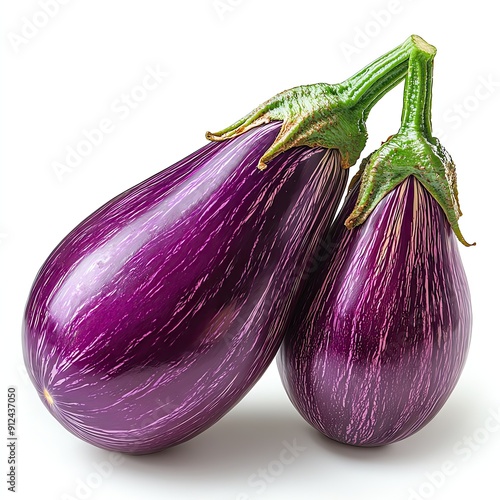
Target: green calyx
x,y
412,151
312,115
324,115
334,117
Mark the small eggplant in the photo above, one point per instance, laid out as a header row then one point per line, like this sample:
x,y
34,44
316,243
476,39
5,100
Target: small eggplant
x,y
383,330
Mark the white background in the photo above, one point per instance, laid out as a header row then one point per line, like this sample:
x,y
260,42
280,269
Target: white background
x,y
223,58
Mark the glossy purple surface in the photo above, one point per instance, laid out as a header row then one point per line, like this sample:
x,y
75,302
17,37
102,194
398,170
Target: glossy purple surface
x,y
156,314
385,326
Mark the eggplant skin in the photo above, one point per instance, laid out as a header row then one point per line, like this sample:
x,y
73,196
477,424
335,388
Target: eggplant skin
x,y
384,328
157,313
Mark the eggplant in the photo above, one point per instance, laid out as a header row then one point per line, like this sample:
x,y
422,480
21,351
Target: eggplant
x,y
157,313
385,327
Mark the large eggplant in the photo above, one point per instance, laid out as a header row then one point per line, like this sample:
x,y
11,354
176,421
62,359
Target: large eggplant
x,y
156,314
385,326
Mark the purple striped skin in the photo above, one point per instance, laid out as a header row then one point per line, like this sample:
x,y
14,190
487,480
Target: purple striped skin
x,y
157,314
385,326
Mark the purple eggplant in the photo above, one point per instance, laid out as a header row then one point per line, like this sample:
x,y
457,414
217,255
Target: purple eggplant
x,y
385,327
157,313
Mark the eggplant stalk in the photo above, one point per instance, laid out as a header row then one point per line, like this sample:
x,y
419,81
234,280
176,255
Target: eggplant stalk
x,y
412,151
325,115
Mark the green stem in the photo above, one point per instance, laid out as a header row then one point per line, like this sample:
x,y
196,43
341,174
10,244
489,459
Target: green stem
x,y
417,97
382,87
428,101
325,115
412,151
365,88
